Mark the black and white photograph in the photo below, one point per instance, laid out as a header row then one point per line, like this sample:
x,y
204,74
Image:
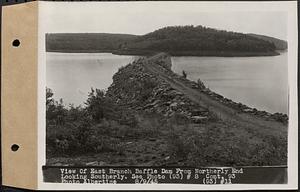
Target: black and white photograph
x,y
166,85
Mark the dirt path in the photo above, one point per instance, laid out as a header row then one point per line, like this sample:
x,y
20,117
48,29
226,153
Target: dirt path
x,y
224,112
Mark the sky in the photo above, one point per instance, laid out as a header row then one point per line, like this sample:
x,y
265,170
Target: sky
x,y
143,17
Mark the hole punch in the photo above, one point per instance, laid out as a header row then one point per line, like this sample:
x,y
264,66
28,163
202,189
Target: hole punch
x,y
15,147
16,43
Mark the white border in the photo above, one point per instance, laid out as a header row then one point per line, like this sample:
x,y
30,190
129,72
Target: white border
x,y
289,7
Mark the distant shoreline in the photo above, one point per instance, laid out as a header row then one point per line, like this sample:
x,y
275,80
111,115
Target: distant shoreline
x,y
183,53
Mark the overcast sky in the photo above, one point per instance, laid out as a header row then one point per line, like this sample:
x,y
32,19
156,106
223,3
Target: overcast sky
x,y
144,17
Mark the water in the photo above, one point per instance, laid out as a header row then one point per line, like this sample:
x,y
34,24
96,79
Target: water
x,y
260,82
71,75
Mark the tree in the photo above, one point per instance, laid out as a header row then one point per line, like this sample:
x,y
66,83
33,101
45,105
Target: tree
x,y
55,110
49,95
99,106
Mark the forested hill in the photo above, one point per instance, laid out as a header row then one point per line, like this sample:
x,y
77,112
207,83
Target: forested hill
x,y
175,40
279,44
199,40
85,42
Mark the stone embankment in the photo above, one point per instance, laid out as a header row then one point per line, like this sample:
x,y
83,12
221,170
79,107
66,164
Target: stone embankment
x,y
136,87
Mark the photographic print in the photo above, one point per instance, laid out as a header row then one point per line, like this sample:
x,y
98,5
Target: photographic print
x,y
142,85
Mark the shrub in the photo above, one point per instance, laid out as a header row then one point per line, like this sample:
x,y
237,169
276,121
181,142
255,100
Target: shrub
x,y
95,128
178,146
128,119
200,84
213,117
179,119
184,74
178,143
99,106
99,143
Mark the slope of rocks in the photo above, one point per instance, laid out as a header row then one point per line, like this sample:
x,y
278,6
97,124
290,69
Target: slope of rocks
x,y
135,87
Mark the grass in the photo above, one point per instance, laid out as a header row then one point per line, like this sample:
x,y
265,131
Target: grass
x,y
222,145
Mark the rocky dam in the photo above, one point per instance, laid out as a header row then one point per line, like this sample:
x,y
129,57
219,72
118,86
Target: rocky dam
x,y
169,94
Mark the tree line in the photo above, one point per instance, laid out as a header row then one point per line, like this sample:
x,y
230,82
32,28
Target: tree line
x,y
199,38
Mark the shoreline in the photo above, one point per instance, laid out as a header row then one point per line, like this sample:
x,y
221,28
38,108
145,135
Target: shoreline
x,y
179,54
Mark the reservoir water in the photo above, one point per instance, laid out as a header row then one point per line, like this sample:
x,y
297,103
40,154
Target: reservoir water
x,y
72,75
259,82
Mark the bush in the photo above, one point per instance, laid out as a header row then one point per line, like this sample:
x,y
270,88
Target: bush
x,y
184,75
213,117
99,143
179,119
178,146
98,127
99,106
